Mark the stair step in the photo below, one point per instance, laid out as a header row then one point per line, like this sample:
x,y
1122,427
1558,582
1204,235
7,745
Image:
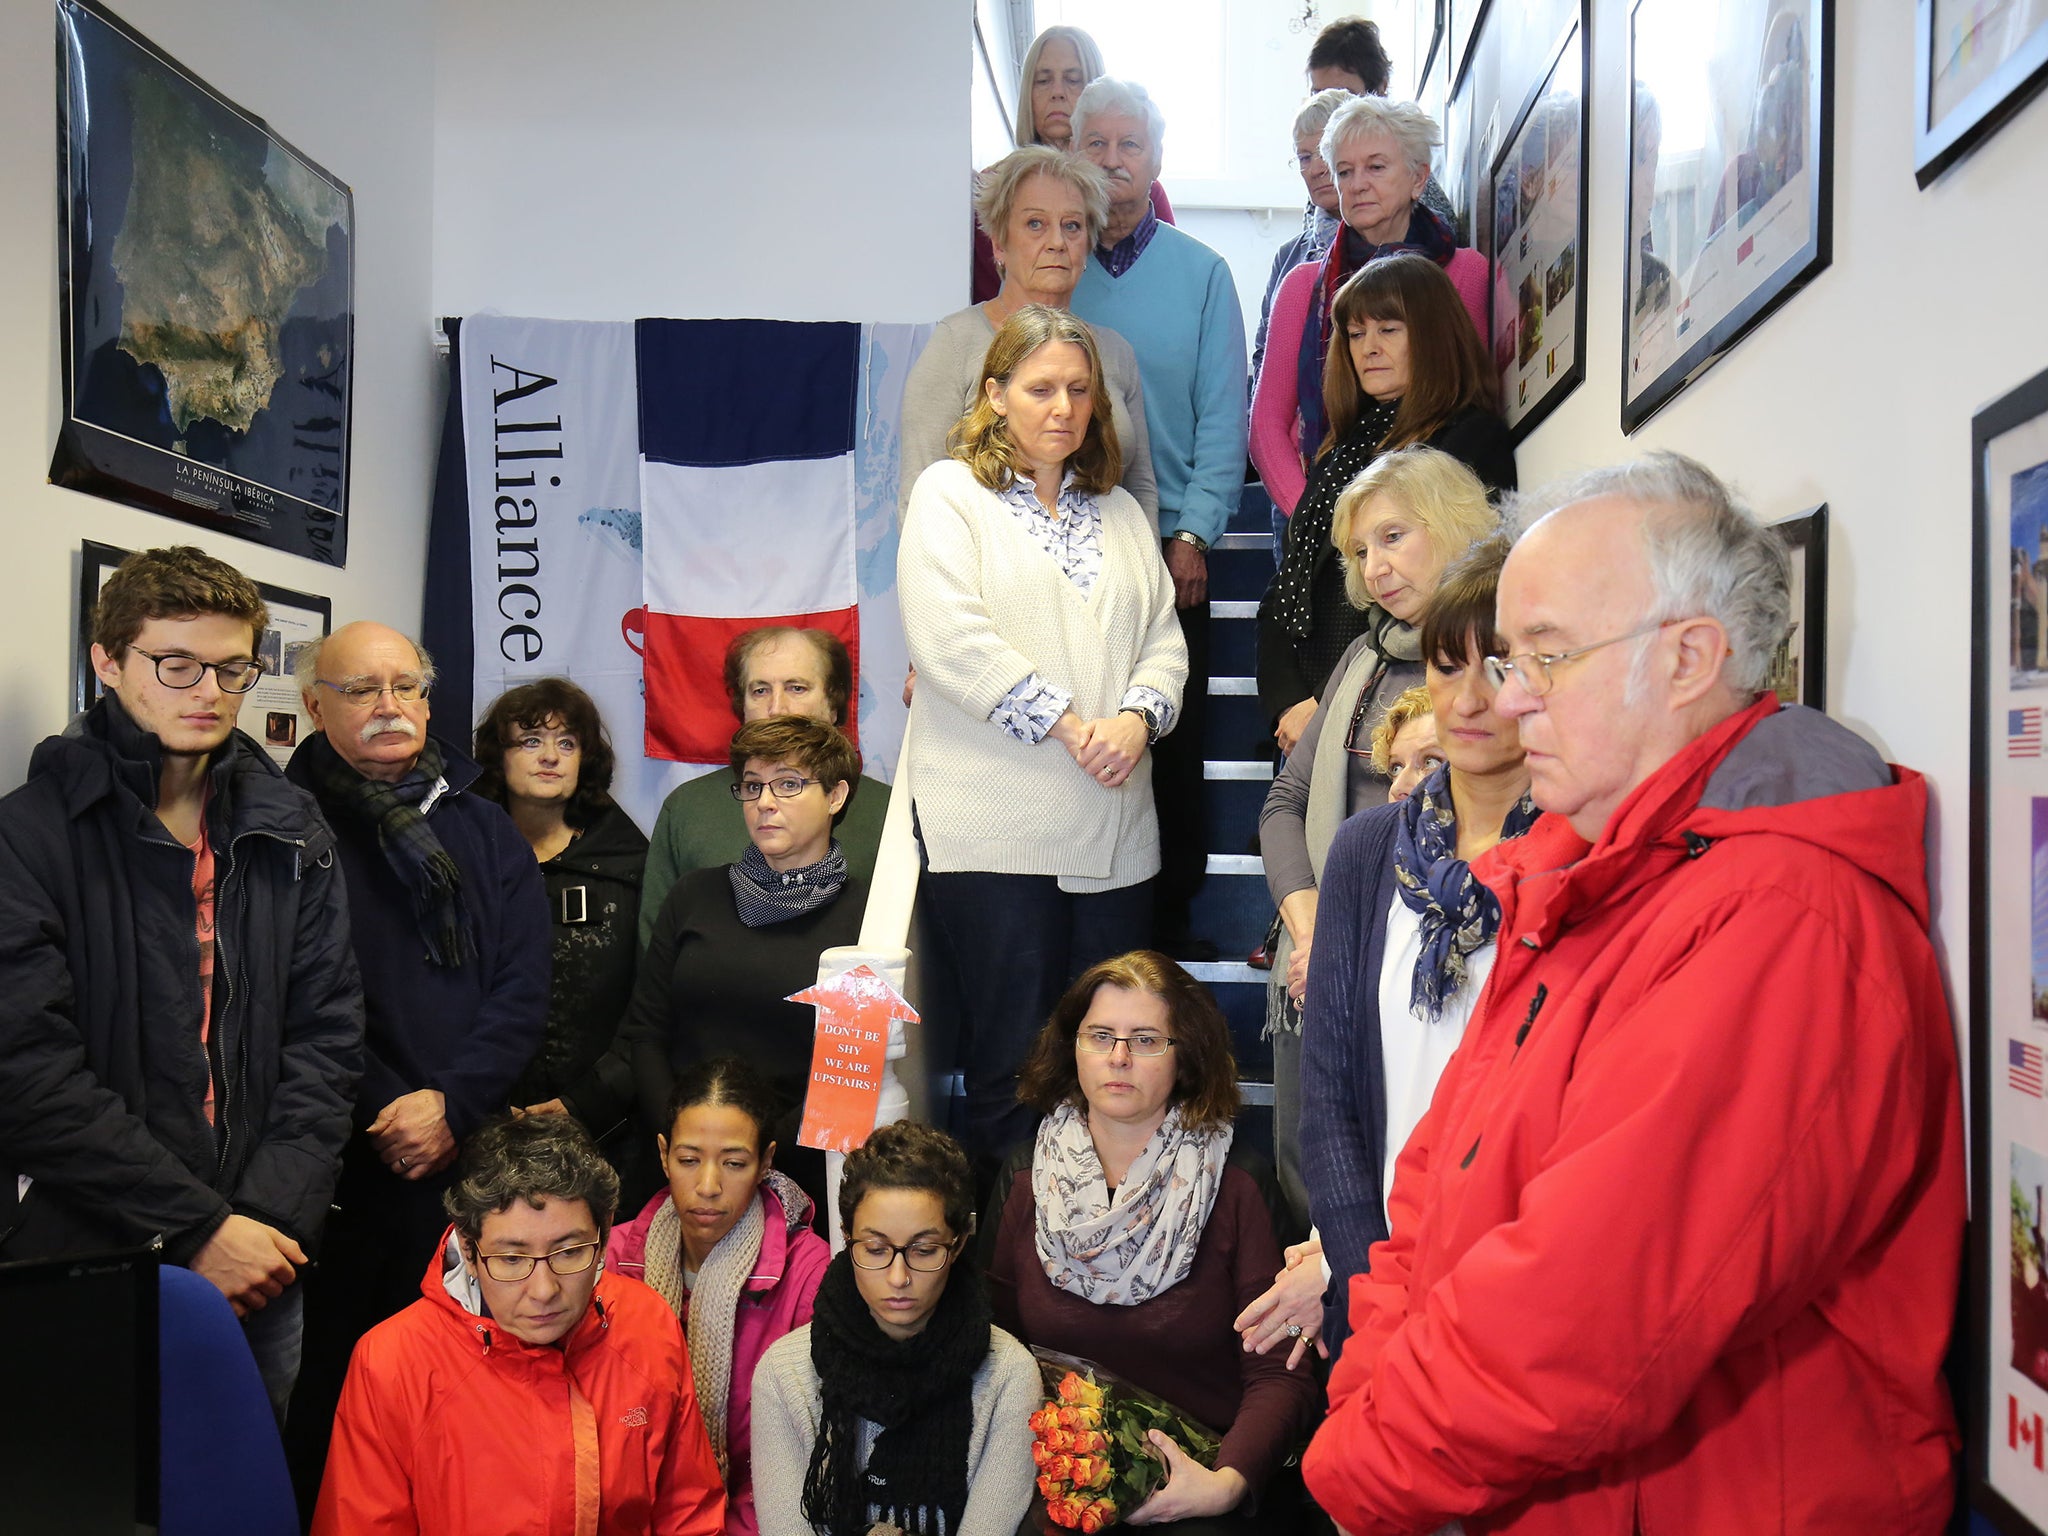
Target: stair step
x,y
1236,864
1244,541
1241,687
1220,972
1261,771
1255,1093
1230,609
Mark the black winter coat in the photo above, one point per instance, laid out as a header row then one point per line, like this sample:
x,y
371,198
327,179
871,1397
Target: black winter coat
x,y
103,1090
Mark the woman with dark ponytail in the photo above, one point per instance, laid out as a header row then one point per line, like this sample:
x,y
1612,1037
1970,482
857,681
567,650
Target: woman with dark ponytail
x,y
901,1404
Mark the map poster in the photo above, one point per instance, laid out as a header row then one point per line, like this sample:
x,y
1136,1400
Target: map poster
x,y
1538,183
2006,1299
1731,181
206,276
273,713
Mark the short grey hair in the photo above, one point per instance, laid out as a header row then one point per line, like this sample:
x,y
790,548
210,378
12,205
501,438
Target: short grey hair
x,y
1316,112
995,195
1706,552
1107,95
306,664
1413,130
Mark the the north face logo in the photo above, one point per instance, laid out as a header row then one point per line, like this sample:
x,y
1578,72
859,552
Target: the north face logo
x,y
637,1419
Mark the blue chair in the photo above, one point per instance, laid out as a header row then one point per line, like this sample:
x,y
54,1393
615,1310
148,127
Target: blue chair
x,y
223,1463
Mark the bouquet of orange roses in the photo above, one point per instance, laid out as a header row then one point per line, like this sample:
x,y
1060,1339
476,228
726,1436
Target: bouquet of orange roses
x,y
1094,1463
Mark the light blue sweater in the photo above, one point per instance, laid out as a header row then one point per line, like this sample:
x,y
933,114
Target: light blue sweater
x,y
1177,307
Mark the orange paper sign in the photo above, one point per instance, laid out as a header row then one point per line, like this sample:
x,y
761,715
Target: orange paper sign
x,y
848,1050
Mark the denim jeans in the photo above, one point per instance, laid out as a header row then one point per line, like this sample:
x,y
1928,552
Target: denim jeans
x,y
276,1335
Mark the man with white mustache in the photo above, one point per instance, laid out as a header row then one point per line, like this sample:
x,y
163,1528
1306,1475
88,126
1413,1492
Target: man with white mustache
x,y
451,928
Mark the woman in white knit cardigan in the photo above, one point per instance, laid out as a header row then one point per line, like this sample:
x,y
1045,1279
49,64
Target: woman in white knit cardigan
x,y
1041,626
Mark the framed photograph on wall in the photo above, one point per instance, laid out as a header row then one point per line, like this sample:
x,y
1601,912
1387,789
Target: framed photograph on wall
x,y
1975,63
1536,186
1799,672
2005,1310
1731,185
206,283
273,713
1461,25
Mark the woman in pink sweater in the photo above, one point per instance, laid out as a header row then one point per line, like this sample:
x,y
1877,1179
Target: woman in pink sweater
x,y
729,1245
1378,151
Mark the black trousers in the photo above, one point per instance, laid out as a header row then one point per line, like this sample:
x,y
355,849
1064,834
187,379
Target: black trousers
x,y
1179,792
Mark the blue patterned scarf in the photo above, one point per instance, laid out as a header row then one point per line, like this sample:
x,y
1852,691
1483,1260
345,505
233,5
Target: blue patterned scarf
x,y
1459,914
765,895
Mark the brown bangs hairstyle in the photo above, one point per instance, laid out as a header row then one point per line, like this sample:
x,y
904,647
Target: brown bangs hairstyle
x,y
177,581
532,707
824,752
1204,1070
1458,626
833,661
1447,366
981,438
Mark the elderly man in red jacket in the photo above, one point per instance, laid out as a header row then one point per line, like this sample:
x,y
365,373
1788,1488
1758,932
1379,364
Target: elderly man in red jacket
x,y
1675,1247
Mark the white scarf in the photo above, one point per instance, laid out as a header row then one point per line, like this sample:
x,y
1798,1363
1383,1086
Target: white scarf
x,y
1124,1251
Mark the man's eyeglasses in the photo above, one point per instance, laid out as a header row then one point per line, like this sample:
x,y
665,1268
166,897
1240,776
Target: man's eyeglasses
x,y
1532,669
1100,1042
175,671
785,788
407,690
572,1260
927,1255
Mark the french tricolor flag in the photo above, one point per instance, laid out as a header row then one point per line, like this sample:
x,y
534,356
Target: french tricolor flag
x,y
747,501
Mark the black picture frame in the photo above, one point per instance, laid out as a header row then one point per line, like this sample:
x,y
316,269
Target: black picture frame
x,y
1463,21
2008,774
1682,315
1944,131
1799,672
273,714
1523,352
206,295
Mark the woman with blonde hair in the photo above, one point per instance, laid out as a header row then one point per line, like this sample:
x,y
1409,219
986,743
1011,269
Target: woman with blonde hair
x,y
1045,210
1056,69
1394,530
1040,620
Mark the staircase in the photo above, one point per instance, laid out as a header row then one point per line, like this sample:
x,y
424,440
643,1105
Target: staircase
x,y
1232,909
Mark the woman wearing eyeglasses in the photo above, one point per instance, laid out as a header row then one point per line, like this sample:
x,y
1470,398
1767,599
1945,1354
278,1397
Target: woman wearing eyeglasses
x,y
547,759
901,1405
1408,941
1136,1231
525,1389
1394,529
733,942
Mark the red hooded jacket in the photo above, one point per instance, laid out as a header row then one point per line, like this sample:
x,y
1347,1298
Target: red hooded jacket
x,y
450,1425
1675,1248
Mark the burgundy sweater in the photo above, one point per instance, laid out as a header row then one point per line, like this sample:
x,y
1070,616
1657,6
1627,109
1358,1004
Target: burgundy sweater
x,y
1179,1344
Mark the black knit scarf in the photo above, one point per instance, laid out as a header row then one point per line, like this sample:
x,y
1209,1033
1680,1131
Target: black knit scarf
x,y
764,895
392,812
920,1391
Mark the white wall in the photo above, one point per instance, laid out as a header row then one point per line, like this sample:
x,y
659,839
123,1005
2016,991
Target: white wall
x,y
799,159
1859,393
349,85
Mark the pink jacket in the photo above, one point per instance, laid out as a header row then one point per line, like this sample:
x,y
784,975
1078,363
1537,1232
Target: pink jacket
x,y
776,1301
1276,401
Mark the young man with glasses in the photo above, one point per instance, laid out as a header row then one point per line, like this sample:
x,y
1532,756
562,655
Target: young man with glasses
x,y
451,929
182,1025
525,1388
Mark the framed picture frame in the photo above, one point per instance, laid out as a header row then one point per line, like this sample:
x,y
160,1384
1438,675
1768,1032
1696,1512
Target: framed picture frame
x,y
1731,184
1975,64
1799,672
206,286
1462,21
1536,186
273,713
2005,1303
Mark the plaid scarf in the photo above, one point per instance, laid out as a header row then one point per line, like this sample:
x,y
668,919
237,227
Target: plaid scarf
x,y
391,812
764,895
1349,252
1459,914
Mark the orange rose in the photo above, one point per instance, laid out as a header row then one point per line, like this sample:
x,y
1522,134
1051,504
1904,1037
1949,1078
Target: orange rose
x,y
1079,1417
1050,1489
1089,1471
1090,1442
1074,1388
1095,1516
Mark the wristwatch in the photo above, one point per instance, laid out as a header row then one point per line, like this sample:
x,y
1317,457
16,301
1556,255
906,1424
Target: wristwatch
x,y
1151,721
1201,544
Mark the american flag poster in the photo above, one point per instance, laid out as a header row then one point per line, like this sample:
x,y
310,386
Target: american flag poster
x,y
2023,732
2023,1067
